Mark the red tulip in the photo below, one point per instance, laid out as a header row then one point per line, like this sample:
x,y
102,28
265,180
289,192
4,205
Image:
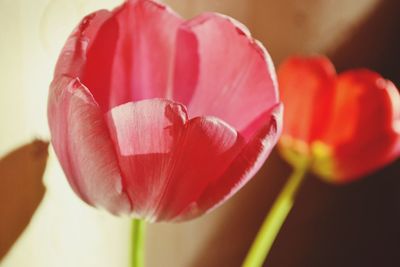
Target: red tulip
x,y
161,118
346,125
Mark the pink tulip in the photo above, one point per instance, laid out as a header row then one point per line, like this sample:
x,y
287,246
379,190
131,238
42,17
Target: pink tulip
x,y
161,118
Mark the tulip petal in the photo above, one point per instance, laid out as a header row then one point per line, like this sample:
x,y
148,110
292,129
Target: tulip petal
x,y
82,143
307,89
131,57
168,160
365,111
242,168
145,134
221,71
73,55
205,152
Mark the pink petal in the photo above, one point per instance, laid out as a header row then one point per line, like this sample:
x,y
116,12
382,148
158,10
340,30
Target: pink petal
x,y
81,141
73,55
131,57
168,160
221,71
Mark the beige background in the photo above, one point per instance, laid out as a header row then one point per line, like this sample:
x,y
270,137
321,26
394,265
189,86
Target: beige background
x,y
65,232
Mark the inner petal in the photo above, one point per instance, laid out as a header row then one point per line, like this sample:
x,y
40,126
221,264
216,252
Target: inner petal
x,y
221,71
130,58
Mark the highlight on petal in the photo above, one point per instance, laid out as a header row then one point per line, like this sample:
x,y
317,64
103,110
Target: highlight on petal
x,y
144,134
83,146
223,72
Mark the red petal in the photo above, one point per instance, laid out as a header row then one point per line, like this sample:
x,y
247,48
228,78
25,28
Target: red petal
x,y
364,128
221,71
83,146
307,88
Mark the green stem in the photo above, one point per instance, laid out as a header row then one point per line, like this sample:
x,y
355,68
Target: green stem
x,y
275,219
138,231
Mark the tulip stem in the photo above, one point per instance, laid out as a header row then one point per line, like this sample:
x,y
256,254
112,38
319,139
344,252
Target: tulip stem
x,y
275,219
138,236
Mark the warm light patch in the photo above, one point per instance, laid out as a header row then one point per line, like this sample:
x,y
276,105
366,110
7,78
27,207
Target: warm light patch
x,y
295,151
322,163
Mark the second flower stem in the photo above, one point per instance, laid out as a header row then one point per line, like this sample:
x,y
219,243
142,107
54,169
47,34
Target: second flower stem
x,y
138,236
275,219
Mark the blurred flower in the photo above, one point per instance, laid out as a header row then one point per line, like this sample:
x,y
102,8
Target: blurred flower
x,y
158,117
345,125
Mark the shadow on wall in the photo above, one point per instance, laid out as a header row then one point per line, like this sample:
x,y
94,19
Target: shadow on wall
x,y
21,190
374,44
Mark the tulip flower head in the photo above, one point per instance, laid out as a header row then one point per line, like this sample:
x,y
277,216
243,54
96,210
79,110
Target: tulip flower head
x,y
161,118
345,125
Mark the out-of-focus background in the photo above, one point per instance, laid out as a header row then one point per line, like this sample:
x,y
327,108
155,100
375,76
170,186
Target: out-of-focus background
x,y
45,224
